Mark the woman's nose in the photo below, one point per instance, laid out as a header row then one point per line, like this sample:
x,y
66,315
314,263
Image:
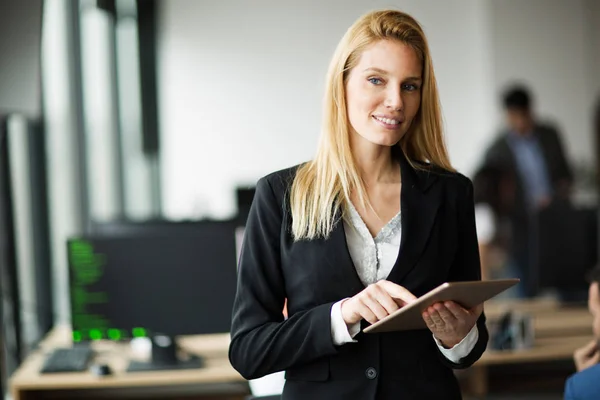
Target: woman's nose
x,y
394,99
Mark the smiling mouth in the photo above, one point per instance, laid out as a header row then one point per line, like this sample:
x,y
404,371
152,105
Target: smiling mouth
x,y
388,121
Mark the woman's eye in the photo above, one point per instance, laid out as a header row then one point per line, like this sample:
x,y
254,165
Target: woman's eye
x,y
410,87
375,81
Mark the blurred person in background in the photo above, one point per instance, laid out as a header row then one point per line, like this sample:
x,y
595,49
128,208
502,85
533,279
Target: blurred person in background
x,y
585,384
533,156
492,191
596,133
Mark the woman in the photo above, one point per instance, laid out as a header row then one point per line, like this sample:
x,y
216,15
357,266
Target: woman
x,y
378,218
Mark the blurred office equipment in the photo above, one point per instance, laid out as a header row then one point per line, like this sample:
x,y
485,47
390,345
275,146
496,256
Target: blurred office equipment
x,y
216,380
166,280
24,238
74,359
513,331
153,227
20,92
10,318
244,197
567,248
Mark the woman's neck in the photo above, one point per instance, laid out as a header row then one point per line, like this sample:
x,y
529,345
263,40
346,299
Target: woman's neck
x,y
376,164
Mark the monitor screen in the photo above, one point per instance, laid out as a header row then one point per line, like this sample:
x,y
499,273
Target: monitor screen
x,y
175,283
244,198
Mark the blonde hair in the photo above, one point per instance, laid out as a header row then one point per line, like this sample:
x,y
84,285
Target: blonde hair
x,y
323,185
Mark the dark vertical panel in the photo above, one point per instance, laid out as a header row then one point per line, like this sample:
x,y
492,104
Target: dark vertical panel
x,y
3,265
146,10
41,228
9,288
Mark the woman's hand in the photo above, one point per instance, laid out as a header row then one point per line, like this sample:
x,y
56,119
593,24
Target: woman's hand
x,y
449,322
375,302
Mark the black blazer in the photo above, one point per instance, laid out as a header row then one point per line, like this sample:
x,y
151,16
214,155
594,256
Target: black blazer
x,y
439,244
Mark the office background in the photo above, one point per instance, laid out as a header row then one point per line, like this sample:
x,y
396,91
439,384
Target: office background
x,y
216,94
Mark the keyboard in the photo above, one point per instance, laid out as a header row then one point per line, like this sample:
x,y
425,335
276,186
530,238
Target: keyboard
x,y
72,359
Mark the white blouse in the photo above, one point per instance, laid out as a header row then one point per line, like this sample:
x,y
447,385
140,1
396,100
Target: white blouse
x,y
374,259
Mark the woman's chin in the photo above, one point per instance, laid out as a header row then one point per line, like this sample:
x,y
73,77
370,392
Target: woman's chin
x,y
387,140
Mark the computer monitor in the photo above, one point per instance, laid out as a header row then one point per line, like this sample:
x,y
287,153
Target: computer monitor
x,y
244,198
171,282
128,227
567,249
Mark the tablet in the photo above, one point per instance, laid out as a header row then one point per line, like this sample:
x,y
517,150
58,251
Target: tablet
x,y
467,294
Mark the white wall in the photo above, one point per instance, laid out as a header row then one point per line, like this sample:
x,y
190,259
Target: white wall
x,y
240,87
62,133
544,43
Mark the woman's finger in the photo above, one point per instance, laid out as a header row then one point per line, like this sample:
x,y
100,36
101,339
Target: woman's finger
x,y
397,291
435,316
447,316
376,308
383,297
428,321
456,310
365,312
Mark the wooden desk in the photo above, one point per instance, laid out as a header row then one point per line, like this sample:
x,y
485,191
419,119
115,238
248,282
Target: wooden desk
x,y
495,308
217,378
558,332
548,321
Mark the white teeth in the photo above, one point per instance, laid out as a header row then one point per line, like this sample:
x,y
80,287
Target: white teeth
x,y
388,121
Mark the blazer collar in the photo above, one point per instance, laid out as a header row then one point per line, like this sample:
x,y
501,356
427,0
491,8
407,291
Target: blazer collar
x,y
419,203
421,179
420,200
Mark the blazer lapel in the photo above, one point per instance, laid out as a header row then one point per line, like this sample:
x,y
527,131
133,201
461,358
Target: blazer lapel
x,y
420,201
338,257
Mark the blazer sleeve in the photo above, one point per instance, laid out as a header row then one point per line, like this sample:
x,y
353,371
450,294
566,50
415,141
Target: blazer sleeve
x,y
467,267
262,342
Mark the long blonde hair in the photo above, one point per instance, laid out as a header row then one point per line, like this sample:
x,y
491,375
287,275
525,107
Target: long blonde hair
x,y
323,185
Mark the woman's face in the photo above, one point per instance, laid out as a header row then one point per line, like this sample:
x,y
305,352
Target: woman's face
x,y
383,92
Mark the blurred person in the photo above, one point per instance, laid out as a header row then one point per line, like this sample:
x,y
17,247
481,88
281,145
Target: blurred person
x,y
532,155
376,219
491,191
596,133
585,384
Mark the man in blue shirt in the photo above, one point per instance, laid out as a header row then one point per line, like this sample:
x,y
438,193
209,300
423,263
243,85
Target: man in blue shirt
x,y
531,155
585,384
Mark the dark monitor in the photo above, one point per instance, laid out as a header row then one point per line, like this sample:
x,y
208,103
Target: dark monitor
x,y
126,227
178,282
244,198
567,249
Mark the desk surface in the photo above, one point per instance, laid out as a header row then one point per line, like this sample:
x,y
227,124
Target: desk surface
x,y
117,355
558,332
550,318
545,349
